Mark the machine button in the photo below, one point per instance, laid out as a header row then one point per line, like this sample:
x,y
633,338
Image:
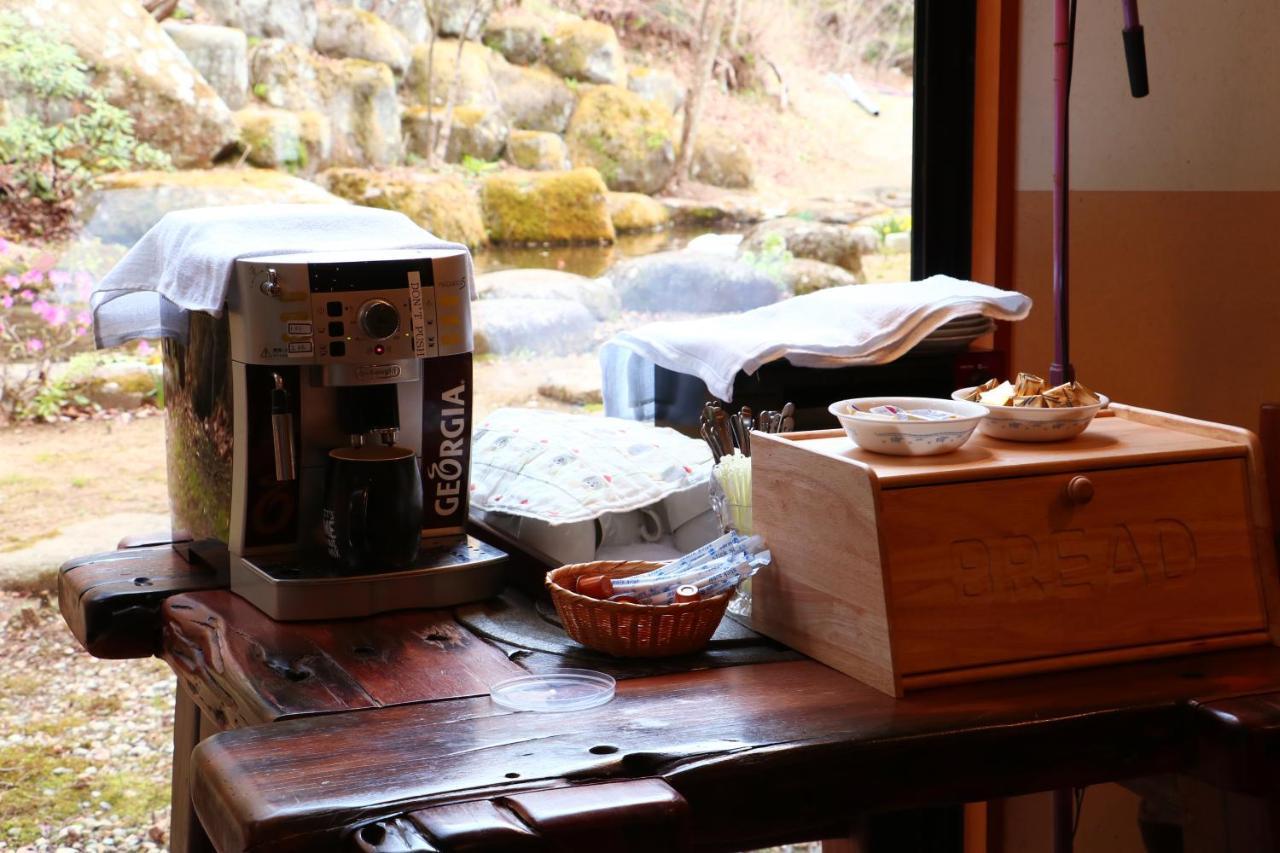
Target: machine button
x,y
379,319
300,346
299,328
337,349
334,309
337,329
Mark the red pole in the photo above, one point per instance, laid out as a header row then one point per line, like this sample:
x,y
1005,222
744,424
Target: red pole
x,y
1061,370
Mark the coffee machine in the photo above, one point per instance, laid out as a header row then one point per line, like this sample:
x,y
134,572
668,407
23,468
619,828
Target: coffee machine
x,y
320,354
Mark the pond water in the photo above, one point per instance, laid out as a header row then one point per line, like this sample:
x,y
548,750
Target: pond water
x,y
592,259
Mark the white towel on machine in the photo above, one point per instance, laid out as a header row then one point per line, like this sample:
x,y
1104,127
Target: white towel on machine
x,y
839,327
185,262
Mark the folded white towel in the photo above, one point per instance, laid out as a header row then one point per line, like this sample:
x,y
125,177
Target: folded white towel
x,y
838,327
185,262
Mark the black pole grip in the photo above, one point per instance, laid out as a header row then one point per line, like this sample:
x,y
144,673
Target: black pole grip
x,y
1135,54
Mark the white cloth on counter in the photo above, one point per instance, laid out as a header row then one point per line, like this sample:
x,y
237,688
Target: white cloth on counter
x,y
839,327
186,260
582,487
561,468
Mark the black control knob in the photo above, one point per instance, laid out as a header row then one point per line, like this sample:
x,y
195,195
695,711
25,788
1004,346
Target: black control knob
x,y
379,319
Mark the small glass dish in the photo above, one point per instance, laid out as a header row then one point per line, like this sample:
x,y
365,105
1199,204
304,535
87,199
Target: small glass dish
x,y
554,692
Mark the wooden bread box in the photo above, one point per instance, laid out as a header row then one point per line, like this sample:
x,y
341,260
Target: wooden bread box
x,y
1146,536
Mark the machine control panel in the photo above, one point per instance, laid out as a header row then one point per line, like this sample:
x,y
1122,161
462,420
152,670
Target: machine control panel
x,y
347,308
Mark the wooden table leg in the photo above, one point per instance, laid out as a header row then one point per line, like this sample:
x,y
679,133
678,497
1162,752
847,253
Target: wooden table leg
x,y
186,835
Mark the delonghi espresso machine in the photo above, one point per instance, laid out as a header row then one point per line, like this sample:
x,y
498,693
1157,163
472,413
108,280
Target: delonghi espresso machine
x,y
325,366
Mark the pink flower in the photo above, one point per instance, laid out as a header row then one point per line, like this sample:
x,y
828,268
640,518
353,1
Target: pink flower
x,y
59,278
12,281
58,316
6,301
4,246
31,276
84,283
35,345
40,307
145,348
27,295
83,319
44,263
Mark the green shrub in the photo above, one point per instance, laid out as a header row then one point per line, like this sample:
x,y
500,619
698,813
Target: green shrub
x,y
68,133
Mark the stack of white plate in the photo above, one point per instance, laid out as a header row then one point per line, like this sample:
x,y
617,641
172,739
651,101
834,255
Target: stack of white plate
x,y
955,335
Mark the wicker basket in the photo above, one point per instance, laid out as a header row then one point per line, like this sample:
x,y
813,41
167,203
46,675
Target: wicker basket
x,y
632,630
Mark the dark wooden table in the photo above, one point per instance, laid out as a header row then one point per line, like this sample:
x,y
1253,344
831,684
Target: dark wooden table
x,y
378,734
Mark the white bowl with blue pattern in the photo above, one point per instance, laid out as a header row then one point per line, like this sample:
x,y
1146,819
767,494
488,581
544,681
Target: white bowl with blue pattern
x,y
1019,423
909,438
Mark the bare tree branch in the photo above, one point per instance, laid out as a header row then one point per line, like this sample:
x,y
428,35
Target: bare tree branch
x,y
710,26
446,121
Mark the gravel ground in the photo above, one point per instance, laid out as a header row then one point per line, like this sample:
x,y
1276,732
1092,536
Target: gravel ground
x,y
85,744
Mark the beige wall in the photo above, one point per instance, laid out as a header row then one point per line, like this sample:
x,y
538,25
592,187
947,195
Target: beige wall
x,y
1175,206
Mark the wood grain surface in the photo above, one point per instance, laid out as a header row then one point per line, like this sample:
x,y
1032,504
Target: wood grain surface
x,y
1113,442
761,753
245,669
1011,570
824,593
111,601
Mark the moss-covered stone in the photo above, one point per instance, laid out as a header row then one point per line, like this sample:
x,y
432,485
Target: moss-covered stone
x,y
805,275
454,16
556,207
533,98
637,212
629,140
654,84
358,97
126,204
832,244
736,211
480,132
140,70
537,150
283,139
442,204
587,50
351,33
432,71
517,34
722,161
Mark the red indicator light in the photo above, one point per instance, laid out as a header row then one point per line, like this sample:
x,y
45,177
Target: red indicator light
x,y
379,349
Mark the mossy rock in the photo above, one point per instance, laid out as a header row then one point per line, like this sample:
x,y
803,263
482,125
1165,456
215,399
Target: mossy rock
x,y
453,16
554,207
357,96
840,245
284,139
637,212
537,150
629,140
654,84
479,132
442,204
805,275
432,70
587,50
351,33
722,161
533,98
139,69
125,204
517,34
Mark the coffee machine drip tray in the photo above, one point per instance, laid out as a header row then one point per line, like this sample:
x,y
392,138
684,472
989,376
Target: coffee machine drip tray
x,y
292,587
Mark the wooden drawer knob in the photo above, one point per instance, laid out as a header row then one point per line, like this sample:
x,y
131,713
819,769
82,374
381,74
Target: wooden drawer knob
x,y
1079,490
